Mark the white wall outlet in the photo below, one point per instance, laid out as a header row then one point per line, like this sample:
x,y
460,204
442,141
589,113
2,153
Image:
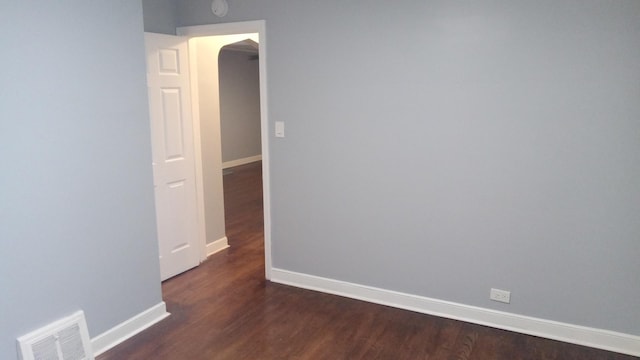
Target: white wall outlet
x,y
279,129
500,295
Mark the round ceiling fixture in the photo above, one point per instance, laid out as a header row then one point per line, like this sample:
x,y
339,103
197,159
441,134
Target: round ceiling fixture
x,y
219,7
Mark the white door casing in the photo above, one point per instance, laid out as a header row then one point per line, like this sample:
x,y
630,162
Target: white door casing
x,y
173,153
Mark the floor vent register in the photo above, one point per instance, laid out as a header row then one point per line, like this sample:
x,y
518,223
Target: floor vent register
x,y
65,339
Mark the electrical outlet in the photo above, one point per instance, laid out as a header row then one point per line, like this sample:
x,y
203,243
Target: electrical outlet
x,y
500,295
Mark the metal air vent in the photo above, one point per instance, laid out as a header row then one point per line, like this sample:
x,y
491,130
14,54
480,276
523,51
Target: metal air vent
x,y
65,339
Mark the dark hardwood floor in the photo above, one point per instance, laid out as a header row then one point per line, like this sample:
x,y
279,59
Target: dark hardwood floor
x,y
224,309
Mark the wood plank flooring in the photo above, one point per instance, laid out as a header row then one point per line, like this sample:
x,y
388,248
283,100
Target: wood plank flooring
x,y
224,309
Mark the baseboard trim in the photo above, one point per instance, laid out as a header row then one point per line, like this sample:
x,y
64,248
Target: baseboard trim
x,y
128,328
217,246
592,337
243,161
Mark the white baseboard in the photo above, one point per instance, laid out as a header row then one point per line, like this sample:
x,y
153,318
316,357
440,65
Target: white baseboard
x,y
128,328
217,246
238,162
596,338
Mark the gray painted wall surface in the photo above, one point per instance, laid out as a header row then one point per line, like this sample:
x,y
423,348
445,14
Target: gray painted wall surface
x,y
442,148
159,16
239,105
77,223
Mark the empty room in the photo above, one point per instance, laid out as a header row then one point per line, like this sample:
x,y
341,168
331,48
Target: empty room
x,y
427,179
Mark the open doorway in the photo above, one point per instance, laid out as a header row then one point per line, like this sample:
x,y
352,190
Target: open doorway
x,y
239,93
239,77
187,139
205,43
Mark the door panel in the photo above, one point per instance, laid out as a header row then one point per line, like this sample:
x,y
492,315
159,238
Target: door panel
x,y
173,154
173,124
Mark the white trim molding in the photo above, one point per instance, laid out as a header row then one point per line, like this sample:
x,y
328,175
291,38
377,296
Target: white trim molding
x,y
231,28
217,246
581,335
243,161
128,328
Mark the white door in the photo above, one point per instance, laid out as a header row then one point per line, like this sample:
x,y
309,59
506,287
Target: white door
x,y
173,152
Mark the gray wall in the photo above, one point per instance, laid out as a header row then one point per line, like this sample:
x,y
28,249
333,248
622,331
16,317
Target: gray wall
x,y
451,147
159,16
77,223
239,105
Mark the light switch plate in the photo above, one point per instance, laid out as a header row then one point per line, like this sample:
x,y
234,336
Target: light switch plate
x,y
280,129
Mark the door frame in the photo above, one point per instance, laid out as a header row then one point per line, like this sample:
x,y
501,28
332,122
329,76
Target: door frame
x,y
244,27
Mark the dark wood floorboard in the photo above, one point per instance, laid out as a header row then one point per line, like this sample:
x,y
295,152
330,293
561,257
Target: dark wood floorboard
x,y
224,309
